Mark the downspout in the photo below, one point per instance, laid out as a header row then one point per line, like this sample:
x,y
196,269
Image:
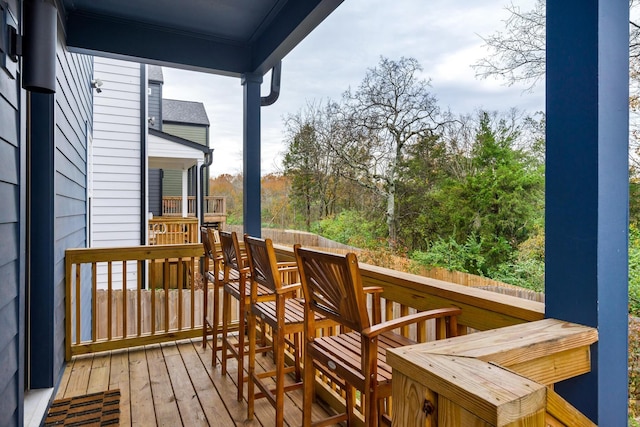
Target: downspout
x,y
208,159
276,72
144,124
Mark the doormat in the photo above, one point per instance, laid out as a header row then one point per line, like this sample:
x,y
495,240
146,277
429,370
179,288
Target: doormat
x,y
95,409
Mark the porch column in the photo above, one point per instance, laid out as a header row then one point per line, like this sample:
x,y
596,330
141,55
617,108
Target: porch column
x,y
587,191
185,193
251,154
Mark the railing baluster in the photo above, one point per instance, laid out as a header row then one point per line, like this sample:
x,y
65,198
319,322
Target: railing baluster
x,y
152,285
388,310
205,288
180,287
94,302
78,312
165,282
109,299
404,310
139,296
124,299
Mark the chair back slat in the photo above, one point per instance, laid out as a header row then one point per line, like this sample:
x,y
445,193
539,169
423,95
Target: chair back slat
x,y
332,286
206,241
230,250
262,262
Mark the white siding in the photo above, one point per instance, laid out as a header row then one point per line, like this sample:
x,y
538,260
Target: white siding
x,y
116,154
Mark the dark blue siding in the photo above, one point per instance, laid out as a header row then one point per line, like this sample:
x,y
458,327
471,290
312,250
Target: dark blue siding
x,y
11,245
155,105
74,100
155,191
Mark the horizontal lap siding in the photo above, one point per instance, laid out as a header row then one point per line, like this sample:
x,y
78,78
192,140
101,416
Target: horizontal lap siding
x,y
154,102
10,286
73,116
193,133
116,155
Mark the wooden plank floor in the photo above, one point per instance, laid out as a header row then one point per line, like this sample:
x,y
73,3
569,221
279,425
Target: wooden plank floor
x,y
173,384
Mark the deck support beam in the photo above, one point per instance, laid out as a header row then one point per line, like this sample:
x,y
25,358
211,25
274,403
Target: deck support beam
x,y
587,191
251,206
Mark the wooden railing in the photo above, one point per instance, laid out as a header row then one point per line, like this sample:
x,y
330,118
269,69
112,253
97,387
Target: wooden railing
x,y
213,205
173,313
160,304
173,231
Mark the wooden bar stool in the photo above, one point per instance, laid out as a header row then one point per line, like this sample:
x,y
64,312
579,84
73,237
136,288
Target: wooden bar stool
x,y
236,285
332,288
213,272
285,316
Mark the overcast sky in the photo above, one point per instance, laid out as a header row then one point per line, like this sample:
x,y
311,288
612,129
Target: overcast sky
x,y
444,36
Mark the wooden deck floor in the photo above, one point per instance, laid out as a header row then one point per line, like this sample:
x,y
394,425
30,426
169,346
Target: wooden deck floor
x,y
173,384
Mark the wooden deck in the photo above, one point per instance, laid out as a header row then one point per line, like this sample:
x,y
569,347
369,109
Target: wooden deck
x,y
173,384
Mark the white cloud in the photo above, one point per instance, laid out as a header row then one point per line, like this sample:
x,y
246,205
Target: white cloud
x,y
441,34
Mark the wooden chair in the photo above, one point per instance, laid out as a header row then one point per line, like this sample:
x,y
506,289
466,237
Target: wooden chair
x,y
212,273
236,285
285,316
332,287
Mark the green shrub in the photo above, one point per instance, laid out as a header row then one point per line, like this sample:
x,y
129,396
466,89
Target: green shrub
x,y
465,257
350,228
634,271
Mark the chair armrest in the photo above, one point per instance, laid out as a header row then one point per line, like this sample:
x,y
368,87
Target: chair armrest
x,y
373,289
390,325
287,289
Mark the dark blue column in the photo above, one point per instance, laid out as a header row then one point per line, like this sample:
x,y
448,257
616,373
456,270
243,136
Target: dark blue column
x,y
42,235
587,192
251,154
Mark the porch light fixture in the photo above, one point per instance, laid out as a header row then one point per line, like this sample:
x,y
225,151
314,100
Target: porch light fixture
x,y
39,46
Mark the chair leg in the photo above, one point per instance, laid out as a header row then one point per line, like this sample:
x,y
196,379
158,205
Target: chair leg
x,y
307,389
215,323
226,306
252,366
297,351
205,306
279,393
241,331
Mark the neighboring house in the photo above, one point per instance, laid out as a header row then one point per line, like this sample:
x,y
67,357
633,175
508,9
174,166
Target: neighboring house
x,y
131,152
188,120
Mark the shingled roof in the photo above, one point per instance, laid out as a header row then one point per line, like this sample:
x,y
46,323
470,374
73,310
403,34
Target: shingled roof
x,y
184,112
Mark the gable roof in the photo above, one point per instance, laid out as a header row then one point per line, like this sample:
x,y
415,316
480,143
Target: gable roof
x,y
155,73
184,112
180,141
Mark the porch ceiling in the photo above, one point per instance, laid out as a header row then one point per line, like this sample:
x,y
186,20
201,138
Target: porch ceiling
x,y
228,37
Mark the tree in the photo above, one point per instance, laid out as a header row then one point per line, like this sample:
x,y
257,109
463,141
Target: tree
x,y
517,54
389,112
309,162
229,186
499,200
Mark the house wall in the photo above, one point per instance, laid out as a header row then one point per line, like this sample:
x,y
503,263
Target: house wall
x,y
116,154
193,133
73,122
11,269
172,181
155,104
155,191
